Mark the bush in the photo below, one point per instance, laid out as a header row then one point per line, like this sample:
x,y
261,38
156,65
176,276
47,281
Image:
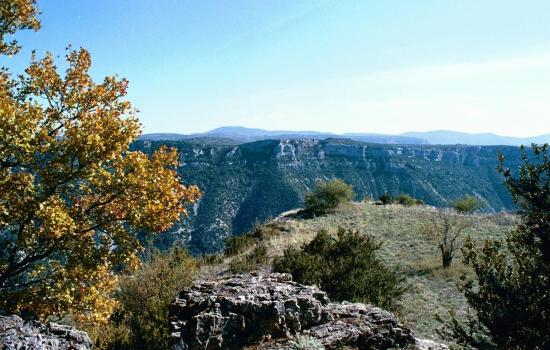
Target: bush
x,y
407,200
345,267
250,261
386,198
467,204
327,196
237,244
510,294
141,319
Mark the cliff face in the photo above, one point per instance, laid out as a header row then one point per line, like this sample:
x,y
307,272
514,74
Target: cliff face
x,y
257,181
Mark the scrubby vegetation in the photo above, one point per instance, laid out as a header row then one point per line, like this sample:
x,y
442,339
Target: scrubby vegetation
x,y
401,232
386,198
258,234
346,267
140,320
407,200
252,260
402,199
467,204
327,196
509,294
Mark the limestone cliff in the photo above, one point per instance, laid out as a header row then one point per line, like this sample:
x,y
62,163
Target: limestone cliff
x,y
256,181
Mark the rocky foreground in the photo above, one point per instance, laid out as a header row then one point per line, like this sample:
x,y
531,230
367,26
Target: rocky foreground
x,y
266,310
260,311
17,334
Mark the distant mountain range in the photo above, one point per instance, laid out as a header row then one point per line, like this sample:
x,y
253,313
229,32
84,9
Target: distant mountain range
x,y
239,135
448,137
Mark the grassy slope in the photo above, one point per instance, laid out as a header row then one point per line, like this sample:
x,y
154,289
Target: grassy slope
x,y
433,290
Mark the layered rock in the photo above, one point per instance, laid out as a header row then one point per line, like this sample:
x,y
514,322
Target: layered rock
x,y
270,311
16,334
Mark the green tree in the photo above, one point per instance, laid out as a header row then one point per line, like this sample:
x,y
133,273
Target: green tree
x,y
467,204
327,195
72,195
386,198
510,294
346,267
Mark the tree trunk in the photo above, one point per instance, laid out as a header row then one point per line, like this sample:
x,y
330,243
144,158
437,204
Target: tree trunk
x,y
446,258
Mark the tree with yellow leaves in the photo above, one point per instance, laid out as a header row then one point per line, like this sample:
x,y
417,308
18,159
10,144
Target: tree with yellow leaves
x,y
72,195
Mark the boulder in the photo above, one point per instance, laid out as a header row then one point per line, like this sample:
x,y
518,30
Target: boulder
x,y
270,311
17,334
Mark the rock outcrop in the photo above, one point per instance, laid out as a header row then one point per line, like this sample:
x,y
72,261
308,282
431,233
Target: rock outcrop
x,y
270,311
17,334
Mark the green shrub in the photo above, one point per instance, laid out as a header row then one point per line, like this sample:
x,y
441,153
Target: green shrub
x,y
345,267
407,200
238,244
327,196
386,198
510,294
141,320
250,261
467,204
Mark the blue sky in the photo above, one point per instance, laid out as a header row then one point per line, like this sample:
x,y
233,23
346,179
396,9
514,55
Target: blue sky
x,y
341,66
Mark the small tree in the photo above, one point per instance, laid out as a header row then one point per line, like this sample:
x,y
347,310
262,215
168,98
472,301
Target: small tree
x,y
346,267
447,228
510,293
327,196
386,198
72,195
407,200
467,204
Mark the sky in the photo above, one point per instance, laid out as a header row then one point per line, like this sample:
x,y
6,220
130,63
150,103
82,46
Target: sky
x,y
327,65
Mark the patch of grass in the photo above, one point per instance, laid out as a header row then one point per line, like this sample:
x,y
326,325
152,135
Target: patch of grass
x,y
433,268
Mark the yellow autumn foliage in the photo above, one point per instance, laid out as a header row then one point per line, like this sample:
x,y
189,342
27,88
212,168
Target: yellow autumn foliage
x,y
72,194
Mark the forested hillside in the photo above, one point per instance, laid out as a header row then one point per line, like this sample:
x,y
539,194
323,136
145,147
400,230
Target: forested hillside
x,y
256,181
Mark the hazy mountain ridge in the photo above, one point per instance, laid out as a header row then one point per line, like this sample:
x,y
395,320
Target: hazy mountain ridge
x,y
237,135
440,137
256,181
